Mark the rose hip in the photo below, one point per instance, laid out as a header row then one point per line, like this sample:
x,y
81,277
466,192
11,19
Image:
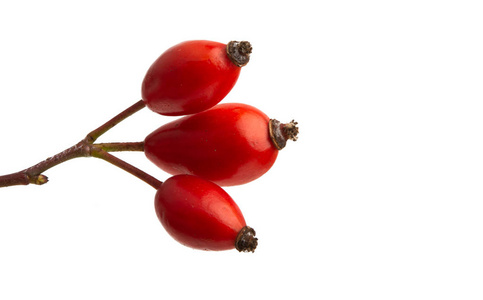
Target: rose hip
x,y
193,76
201,215
229,144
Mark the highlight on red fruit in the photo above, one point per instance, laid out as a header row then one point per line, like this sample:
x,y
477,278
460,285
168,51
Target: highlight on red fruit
x,y
229,144
193,76
201,215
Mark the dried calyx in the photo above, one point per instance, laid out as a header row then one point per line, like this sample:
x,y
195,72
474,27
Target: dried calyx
x,y
281,132
246,240
239,52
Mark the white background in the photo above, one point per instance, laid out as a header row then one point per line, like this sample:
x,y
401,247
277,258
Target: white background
x,y
381,197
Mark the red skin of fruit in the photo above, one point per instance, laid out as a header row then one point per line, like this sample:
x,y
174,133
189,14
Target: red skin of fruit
x,y
188,78
198,213
228,144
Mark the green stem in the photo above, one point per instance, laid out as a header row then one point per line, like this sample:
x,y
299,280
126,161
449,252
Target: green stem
x,y
117,147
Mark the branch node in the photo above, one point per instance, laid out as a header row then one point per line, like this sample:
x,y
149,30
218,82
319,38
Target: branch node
x,y
39,179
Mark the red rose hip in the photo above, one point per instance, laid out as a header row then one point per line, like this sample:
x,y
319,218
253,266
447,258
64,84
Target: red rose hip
x,y
201,215
229,144
193,76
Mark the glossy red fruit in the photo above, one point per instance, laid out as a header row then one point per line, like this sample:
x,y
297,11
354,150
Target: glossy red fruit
x,y
193,76
229,144
201,215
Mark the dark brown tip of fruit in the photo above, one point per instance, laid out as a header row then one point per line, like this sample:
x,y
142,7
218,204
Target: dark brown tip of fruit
x,y
246,240
281,132
239,52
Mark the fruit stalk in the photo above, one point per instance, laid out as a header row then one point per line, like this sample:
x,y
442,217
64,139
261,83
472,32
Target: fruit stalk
x,y
117,147
104,155
96,133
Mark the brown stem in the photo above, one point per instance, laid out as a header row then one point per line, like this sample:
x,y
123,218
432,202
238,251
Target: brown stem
x,y
21,178
33,174
86,148
102,154
95,134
